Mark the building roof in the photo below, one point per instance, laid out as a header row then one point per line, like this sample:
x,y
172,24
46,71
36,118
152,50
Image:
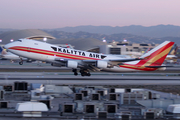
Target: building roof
x,y
78,43
27,33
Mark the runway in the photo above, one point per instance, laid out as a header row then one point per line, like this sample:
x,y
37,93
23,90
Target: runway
x,y
67,78
7,66
47,74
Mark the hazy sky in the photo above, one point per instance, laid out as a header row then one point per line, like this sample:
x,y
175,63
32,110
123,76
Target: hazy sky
x,y
26,14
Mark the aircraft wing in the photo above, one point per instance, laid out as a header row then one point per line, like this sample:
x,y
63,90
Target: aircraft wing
x,y
93,65
113,62
94,61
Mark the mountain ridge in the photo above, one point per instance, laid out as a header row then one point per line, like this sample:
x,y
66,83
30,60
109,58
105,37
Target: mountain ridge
x,y
157,31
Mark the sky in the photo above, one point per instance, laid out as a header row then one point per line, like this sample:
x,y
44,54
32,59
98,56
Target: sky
x,y
49,14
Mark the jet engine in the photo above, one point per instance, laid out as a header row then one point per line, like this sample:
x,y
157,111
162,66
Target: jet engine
x,y
101,64
72,64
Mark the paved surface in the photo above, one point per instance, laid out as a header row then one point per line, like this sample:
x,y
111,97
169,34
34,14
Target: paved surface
x,y
67,78
7,66
57,75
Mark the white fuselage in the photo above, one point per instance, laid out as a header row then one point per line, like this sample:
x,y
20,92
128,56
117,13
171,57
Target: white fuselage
x,y
50,53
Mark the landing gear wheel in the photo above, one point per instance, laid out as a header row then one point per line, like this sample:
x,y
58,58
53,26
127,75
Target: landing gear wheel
x,y
88,74
75,72
85,72
21,63
82,74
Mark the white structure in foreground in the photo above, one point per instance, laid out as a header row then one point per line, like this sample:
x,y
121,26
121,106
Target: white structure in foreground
x,y
31,106
174,108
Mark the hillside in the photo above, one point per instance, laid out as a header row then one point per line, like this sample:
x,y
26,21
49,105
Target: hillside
x,y
109,38
152,31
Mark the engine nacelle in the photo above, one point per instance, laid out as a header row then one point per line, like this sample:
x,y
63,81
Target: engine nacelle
x,y
101,64
72,64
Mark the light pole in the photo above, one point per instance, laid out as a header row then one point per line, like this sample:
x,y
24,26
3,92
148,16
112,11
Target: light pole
x,y
45,39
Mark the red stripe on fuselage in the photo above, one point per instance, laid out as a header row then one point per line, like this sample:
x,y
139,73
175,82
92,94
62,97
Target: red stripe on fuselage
x,y
52,53
135,67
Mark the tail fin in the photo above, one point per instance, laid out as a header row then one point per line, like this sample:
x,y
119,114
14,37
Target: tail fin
x,y
1,49
173,50
172,53
151,60
157,55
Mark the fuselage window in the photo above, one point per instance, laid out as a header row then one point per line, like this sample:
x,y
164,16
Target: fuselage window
x,y
36,43
54,48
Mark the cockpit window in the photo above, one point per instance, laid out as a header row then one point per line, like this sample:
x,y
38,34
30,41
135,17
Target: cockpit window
x,y
19,40
54,48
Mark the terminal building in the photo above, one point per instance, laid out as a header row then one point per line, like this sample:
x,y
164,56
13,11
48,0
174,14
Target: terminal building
x,y
27,33
126,48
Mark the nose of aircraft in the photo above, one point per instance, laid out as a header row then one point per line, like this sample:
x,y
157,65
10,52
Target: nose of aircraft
x,y
7,46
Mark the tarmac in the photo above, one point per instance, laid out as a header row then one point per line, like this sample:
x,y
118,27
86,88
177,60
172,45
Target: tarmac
x,y
67,78
47,74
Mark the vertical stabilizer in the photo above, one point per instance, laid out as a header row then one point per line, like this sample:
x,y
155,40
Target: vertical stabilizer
x,y
156,56
153,59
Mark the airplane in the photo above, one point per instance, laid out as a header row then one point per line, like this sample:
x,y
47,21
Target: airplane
x,y
86,61
172,53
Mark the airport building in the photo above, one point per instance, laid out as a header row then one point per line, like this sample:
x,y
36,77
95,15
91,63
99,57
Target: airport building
x,y
28,34
88,44
126,48
36,100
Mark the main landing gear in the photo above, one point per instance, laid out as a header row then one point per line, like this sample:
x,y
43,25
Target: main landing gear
x,y
84,72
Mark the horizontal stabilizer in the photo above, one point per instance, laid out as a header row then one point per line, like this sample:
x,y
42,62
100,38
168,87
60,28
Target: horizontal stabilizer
x,y
126,60
157,66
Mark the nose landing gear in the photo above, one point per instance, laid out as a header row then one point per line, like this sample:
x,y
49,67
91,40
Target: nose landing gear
x,y
21,61
75,72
